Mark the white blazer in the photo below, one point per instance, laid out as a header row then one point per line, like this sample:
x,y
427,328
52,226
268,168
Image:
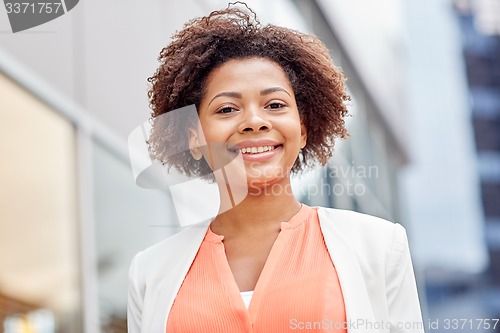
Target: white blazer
x,y
370,254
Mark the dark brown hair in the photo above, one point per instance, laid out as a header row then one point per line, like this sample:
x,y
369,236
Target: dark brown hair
x,y
207,42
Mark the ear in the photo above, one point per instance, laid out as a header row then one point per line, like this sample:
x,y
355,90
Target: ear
x,y
303,135
194,144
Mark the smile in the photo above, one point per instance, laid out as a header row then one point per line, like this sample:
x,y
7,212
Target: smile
x,y
256,150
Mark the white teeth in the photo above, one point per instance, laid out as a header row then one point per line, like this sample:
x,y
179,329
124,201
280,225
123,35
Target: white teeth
x,y
255,150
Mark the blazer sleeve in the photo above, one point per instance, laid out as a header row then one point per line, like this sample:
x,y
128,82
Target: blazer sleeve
x,y
134,303
401,289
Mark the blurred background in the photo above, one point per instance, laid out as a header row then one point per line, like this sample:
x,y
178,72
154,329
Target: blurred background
x,y
424,150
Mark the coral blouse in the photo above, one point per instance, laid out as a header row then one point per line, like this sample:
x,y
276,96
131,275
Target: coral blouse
x,y
297,291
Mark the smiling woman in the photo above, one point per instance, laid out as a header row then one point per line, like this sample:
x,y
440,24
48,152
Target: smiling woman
x,y
272,97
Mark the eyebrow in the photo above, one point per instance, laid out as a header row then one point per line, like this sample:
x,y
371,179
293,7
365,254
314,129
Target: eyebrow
x,y
235,94
273,89
226,93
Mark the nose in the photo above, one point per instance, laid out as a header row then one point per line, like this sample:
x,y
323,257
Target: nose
x,y
254,120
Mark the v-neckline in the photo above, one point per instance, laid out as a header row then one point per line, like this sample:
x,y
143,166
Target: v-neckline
x,y
261,285
267,271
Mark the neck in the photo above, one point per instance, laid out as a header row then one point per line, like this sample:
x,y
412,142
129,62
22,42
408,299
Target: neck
x,y
261,210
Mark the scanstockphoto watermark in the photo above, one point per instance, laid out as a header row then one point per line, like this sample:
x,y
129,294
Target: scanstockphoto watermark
x,y
353,171
322,188
348,180
26,14
446,324
357,324
347,187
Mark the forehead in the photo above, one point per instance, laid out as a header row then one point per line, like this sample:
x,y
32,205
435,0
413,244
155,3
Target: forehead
x,y
246,74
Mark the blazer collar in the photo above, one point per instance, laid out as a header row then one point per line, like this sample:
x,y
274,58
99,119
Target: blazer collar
x,y
357,302
356,299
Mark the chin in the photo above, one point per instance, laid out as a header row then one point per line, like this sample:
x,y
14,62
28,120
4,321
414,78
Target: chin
x,y
267,181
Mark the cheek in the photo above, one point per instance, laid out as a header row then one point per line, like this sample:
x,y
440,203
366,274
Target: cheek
x,y
207,129
217,131
293,129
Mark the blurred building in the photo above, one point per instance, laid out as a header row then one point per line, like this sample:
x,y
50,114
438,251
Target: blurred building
x,y
442,184
480,26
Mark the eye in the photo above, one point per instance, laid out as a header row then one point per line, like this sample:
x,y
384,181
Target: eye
x,y
276,105
226,109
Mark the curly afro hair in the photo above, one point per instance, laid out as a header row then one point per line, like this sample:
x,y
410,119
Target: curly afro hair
x,y
206,43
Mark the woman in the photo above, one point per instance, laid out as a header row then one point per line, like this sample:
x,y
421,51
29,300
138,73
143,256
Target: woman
x,y
270,98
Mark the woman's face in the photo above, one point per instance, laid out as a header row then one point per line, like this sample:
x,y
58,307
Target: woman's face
x,y
249,105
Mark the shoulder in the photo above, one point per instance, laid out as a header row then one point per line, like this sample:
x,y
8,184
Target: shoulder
x,y
380,247
363,231
378,250
351,220
174,249
157,271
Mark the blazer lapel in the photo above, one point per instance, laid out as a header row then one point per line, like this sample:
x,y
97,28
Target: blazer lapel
x,y
172,274
357,302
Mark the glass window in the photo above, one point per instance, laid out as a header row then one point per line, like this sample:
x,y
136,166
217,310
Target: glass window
x,y
39,266
485,102
127,219
489,166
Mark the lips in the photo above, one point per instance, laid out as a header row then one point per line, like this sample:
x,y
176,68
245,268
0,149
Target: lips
x,y
256,150
255,146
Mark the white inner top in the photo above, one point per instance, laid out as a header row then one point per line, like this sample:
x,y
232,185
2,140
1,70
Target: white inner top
x,y
247,297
